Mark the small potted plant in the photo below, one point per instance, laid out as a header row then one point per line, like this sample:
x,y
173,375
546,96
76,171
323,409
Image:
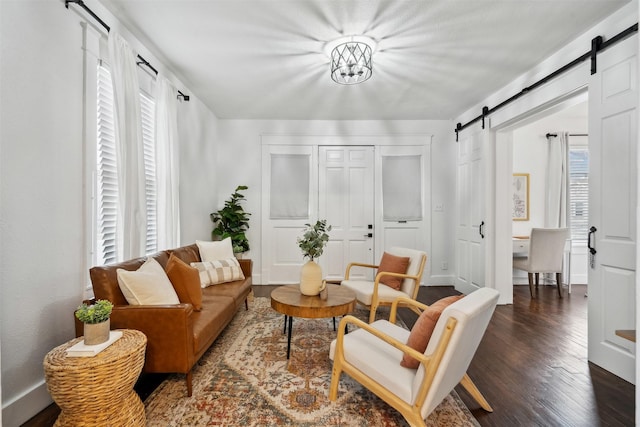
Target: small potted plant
x,y
312,243
232,221
96,319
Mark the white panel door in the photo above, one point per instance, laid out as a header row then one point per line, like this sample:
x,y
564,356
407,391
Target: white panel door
x,y
413,230
471,221
285,211
613,137
346,201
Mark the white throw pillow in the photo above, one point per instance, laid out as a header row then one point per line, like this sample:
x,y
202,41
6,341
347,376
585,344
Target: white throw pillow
x,y
149,285
221,271
213,251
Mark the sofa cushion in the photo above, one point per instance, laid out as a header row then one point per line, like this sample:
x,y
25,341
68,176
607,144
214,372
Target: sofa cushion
x,y
149,285
220,271
186,282
237,290
213,251
217,312
393,264
423,329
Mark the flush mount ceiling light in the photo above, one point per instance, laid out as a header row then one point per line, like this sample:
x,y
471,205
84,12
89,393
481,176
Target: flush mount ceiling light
x,y
351,59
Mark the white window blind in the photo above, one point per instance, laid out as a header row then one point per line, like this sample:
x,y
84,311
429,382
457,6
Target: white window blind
x,y
289,195
401,188
107,178
579,192
147,118
106,171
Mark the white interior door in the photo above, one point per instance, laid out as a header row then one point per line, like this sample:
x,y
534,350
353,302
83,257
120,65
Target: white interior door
x,y
289,201
613,137
403,198
471,231
346,200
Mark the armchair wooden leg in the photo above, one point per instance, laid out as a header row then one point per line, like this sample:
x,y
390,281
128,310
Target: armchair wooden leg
x,y
335,380
475,393
372,313
537,280
531,284
559,282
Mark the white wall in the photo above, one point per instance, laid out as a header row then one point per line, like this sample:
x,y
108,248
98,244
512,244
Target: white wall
x,y
240,164
42,197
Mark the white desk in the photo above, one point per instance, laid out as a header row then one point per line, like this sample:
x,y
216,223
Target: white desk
x,y
520,247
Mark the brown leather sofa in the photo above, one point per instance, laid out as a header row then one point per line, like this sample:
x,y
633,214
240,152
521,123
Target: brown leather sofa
x,y
177,335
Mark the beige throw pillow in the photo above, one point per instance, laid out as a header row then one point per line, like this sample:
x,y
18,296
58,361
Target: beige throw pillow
x,y
214,251
149,285
221,271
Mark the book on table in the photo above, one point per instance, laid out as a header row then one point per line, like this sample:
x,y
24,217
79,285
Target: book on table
x,y
82,350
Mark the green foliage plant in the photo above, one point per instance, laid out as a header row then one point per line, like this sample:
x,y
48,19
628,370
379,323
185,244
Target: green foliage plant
x,y
314,239
94,313
232,221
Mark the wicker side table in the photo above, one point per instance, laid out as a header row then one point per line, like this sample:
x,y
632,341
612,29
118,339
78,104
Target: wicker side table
x,y
98,391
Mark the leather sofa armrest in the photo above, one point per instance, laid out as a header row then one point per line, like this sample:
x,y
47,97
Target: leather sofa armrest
x,y
169,331
246,265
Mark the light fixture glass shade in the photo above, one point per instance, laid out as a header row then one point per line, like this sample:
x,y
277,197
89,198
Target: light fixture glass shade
x,y
351,62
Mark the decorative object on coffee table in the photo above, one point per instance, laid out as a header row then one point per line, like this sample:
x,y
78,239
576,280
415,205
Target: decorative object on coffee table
x,y
312,243
232,221
96,320
98,391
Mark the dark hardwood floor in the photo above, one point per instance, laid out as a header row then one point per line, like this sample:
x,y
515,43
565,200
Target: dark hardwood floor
x,y
531,365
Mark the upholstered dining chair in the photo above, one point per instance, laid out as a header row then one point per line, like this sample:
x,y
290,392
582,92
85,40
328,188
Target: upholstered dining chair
x,y
372,353
373,294
546,254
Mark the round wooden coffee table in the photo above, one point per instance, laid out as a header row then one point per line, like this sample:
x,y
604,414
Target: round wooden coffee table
x,y
289,301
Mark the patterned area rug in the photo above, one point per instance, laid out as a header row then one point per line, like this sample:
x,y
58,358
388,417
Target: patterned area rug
x,y
244,379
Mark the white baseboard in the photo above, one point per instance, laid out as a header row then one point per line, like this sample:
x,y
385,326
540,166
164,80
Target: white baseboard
x,y
440,280
25,406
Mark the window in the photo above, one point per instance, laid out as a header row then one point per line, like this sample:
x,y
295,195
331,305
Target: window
x,y
578,191
106,171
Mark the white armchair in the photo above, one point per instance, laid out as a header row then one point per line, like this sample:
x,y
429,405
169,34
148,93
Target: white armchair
x,y
546,253
371,355
373,294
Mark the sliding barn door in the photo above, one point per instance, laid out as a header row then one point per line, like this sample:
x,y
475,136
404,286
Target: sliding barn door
x,y
472,228
613,140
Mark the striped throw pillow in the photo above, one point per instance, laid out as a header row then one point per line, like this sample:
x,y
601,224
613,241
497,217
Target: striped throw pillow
x,y
220,271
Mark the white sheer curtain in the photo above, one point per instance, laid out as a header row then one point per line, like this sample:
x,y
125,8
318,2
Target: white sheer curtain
x,y
557,181
132,213
167,164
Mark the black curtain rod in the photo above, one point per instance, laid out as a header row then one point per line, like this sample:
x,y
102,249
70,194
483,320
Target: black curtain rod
x,y
104,24
571,134
597,45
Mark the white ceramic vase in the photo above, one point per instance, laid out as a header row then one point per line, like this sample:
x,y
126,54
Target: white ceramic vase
x,y
96,333
311,279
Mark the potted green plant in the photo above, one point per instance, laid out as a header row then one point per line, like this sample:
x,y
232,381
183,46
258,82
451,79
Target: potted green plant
x,y
312,243
96,318
232,221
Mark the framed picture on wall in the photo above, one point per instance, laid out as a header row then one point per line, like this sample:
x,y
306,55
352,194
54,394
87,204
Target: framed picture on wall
x,y
520,210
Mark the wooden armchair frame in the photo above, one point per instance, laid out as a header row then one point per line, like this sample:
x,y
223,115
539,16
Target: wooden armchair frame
x,y
411,412
375,301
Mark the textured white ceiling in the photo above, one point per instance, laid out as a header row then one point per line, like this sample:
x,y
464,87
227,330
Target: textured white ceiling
x,y
264,59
